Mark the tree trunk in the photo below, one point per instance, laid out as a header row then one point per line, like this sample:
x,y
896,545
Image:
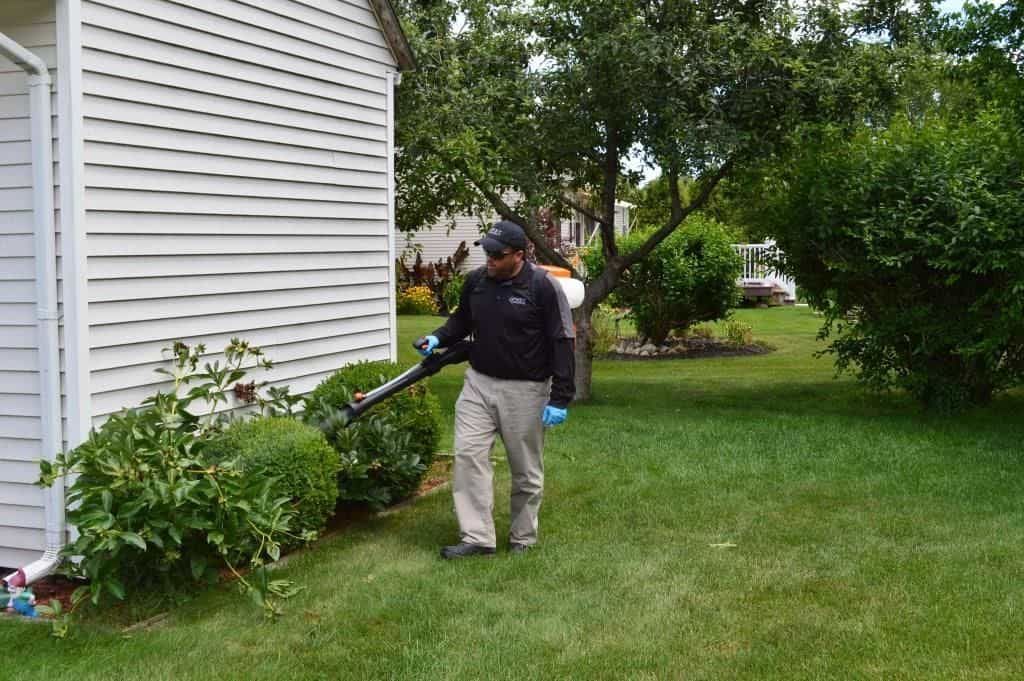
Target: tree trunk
x,y
584,351
596,292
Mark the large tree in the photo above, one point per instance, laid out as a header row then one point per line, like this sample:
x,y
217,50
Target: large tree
x,y
547,100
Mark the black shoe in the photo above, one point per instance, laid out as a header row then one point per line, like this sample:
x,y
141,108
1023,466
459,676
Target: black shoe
x,y
515,548
464,550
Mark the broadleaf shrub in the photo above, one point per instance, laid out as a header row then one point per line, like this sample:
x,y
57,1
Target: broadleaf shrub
x,y
150,506
689,278
296,456
909,239
385,453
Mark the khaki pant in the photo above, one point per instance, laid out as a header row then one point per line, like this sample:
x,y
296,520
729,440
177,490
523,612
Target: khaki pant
x,y
488,407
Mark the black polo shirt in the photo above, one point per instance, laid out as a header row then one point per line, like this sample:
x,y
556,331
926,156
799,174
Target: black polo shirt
x,y
522,329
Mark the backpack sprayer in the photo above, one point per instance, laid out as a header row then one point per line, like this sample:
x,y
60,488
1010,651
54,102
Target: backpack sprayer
x,y
459,352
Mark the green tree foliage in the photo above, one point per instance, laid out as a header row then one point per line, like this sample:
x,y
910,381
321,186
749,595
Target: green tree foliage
x,y
986,44
551,97
689,278
910,240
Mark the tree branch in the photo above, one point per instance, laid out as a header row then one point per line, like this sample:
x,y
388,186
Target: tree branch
x,y
677,218
577,206
673,192
529,226
611,178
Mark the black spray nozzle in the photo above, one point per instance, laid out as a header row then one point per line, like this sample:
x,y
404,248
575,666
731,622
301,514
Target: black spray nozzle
x,y
428,367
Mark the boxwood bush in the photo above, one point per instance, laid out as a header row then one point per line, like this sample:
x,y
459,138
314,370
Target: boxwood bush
x,y
386,452
299,459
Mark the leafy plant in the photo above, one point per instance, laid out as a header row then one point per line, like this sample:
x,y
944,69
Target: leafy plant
x,y
738,333
690,277
436,276
603,330
453,292
378,465
150,507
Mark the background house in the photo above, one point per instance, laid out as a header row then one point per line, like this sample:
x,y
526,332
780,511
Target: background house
x,y
221,168
440,241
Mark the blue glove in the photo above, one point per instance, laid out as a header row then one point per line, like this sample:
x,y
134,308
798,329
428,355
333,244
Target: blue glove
x,y
554,415
425,345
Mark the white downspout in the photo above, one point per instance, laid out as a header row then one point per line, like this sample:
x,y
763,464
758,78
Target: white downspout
x,y
393,80
39,84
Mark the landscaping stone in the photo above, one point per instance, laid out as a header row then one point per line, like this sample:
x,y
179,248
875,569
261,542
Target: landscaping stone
x,y
692,347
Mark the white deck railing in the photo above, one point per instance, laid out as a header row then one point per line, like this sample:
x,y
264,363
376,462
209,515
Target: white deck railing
x,y
758,261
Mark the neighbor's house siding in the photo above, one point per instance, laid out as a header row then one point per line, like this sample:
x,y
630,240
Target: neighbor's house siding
x,y
235,184
440,242
32,24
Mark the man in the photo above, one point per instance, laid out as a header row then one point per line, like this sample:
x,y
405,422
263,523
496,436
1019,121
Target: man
x,y
520,379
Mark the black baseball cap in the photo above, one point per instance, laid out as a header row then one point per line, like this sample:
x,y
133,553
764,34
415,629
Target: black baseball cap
x,y
501,234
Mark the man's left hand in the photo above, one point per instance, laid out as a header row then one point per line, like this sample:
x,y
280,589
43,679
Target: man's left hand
x,y
554,415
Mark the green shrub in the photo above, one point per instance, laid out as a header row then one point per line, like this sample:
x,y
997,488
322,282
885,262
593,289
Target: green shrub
x,y
738,333
395,441
909,239
702,331
603,332
453,292
150,506
416,300
690,277
303,466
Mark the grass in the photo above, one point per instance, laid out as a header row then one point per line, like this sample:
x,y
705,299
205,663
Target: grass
x,y
736,518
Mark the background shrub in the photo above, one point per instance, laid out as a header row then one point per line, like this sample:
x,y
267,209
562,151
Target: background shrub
x,y
298,456
603,329
416,300
909,240
690,277
738,333
453,292
386,452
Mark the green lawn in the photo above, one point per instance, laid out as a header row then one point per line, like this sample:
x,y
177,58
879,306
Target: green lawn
x,y
739,518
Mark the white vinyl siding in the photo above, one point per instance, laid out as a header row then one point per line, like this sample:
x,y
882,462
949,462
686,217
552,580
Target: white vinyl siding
x,y
235,185
32,24
440,241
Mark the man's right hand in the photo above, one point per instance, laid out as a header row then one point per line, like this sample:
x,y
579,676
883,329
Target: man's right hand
x,y
425,345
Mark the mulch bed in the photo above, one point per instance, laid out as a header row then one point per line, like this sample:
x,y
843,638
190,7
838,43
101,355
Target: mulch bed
x,y
694,348
56,587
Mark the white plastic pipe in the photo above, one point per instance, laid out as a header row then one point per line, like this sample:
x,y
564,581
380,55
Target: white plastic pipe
x,y
39,84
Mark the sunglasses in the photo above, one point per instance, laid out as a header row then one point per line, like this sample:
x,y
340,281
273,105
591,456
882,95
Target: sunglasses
x,y
498,255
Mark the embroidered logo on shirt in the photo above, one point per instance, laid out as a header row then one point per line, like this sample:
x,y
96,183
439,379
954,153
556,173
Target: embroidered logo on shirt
x,y
516,300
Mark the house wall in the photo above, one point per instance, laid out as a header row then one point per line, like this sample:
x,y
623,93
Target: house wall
x,y
32,24
235,185
439,242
